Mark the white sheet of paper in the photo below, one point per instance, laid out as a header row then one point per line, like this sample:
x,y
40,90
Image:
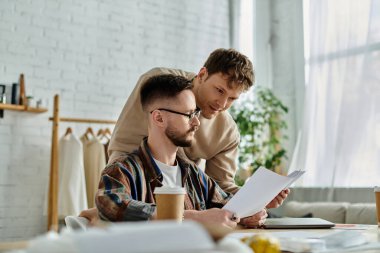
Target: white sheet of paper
x,y
262,187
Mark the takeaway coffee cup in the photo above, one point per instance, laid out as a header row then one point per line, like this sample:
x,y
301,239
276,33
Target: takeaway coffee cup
x,y
170,202
377,195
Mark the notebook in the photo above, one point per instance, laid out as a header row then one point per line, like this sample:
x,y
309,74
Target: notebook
x,y
272,223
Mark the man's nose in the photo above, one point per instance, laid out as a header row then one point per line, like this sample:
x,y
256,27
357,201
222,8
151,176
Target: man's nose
x,y
222,102
195,121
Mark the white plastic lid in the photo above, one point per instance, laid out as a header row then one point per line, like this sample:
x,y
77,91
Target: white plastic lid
x,y
376,189
169,190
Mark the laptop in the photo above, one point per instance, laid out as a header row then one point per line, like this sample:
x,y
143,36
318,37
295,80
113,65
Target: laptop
x,y
289,223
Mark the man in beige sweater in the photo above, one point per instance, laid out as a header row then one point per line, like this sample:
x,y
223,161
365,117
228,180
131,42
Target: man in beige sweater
x,y
225,75
127,186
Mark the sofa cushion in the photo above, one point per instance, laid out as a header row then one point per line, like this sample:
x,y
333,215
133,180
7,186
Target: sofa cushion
x,y
331,211
361,213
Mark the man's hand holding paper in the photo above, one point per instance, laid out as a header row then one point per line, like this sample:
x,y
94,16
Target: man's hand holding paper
x,y
265,189
279,199
255,220
258,219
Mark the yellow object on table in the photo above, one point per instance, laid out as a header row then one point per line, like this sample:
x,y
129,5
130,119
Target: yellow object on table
x,y
262,244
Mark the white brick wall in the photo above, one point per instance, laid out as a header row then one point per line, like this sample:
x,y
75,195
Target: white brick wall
x,y
91,52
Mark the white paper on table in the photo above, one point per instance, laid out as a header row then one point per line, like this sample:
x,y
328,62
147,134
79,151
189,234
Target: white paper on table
x,y
262,187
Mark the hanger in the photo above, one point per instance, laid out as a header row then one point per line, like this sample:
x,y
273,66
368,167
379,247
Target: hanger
x,y
108,131
68,131
100,133
89,132
104,136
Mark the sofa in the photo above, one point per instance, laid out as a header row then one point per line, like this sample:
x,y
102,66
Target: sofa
x,y
338,205
336,212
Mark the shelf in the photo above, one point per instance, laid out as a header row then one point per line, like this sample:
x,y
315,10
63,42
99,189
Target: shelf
x,y
22,108
35,109
12,107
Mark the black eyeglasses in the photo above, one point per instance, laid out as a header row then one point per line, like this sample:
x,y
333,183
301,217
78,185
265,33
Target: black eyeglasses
x,y
191,116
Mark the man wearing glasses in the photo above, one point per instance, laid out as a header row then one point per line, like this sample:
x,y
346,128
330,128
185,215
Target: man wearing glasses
x,y
225,75
127,184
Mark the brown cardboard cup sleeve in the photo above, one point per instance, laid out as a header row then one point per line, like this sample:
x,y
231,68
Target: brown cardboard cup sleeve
x,y
170,202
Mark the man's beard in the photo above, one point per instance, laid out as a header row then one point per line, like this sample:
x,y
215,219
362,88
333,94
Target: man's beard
x,y
180,140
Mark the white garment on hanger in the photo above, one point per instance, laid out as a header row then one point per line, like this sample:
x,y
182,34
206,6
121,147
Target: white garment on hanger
x,y
94,163
171,174
72,198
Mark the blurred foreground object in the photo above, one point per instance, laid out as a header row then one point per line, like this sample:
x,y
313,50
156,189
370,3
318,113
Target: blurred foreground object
x,y
262,243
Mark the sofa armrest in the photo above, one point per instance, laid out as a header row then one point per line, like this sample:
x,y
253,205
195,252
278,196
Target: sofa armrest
x,y
361,213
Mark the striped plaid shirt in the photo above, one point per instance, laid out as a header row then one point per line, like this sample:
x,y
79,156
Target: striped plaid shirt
x,y
126,187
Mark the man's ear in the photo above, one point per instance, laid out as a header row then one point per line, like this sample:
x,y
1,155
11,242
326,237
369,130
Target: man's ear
x,y
157,118
202,74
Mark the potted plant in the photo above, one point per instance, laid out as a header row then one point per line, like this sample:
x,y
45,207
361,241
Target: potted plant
x,y
259,118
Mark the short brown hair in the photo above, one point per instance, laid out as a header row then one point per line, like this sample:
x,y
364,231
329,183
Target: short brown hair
x,y
162,87
235,65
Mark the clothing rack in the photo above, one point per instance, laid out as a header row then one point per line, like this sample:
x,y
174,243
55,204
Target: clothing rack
x,y
54,158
